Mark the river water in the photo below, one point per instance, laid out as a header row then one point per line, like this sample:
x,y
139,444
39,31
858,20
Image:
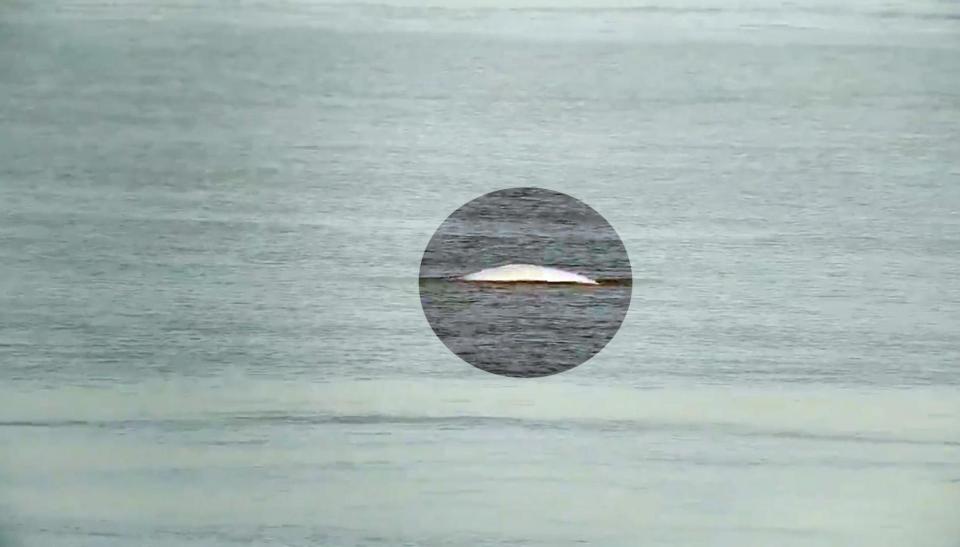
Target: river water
x,y
212,218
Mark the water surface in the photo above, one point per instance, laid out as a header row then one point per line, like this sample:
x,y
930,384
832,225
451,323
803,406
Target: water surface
x,y
212,218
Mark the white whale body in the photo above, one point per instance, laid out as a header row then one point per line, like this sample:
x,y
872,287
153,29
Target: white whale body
x,y
530,273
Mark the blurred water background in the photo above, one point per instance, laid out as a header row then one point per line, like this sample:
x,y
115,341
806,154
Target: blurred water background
x,y
212,217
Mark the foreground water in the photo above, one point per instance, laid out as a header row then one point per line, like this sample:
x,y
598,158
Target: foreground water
x,y
212,219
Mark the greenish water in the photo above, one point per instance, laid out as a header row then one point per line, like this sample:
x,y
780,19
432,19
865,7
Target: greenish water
x,y
212,219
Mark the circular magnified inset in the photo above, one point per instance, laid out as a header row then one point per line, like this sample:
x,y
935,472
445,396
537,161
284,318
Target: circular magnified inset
x,y
525,282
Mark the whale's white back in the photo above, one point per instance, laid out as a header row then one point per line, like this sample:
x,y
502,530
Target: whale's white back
x,y
529,273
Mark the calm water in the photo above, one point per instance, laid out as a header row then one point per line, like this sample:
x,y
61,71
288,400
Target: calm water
x,y
212,219
525,330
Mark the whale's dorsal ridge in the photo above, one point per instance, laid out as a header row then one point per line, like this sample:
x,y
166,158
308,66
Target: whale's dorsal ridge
x,y
519,273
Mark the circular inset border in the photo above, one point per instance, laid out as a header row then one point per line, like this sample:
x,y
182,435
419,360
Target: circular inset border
x,y
525,282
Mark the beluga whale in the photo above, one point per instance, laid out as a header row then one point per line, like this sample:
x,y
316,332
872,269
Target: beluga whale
x,y
527,273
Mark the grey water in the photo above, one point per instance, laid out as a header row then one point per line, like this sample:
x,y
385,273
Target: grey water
x,y
212,217
527,226
525,329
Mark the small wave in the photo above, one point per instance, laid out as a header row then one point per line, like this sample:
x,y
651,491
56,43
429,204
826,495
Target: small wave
x,y
462,422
